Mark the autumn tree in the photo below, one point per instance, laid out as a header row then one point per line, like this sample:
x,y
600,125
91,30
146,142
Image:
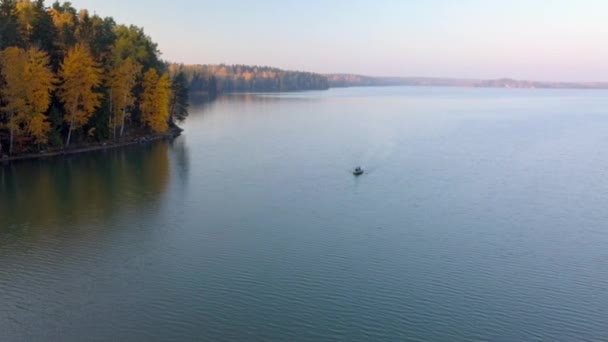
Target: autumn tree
x,y
25,17
154,102
40,81
80,76
27,92
65,22
27,22
12,63
122,79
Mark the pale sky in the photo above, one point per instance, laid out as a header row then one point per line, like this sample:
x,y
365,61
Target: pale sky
x,y
563,40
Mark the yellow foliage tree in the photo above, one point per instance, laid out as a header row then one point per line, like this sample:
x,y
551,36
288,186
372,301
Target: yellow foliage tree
x,y
61,19
40,81
65,23
27,93
26,16
121,81
154,102
80,75
39,128
12,64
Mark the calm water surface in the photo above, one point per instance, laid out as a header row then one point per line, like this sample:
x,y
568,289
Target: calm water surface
x,y
483,216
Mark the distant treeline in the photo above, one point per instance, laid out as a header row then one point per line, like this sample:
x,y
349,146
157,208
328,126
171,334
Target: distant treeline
x,y
217,79
67,76
350,80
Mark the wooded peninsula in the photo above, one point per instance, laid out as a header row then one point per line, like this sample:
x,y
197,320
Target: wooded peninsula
x,y
68,78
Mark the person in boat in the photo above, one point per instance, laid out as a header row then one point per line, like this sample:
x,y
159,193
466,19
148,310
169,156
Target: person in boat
x,y
358,170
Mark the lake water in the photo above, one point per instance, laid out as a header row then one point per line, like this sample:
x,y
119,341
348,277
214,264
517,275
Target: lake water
x,y
483,215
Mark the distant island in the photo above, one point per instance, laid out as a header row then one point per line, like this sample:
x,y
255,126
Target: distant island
x,y
352,80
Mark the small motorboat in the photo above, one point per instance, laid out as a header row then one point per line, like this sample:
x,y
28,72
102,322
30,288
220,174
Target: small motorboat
x,y
358,171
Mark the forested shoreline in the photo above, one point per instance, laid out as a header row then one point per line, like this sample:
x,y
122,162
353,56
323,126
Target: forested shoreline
x,y
69,79
72,81
223,78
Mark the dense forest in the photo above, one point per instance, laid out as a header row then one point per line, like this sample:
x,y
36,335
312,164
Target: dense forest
x,y
71,78
217,79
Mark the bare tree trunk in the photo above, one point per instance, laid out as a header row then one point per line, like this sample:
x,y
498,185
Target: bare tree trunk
x,y
113,116
10,143
110,117
122,126
12,135
67,144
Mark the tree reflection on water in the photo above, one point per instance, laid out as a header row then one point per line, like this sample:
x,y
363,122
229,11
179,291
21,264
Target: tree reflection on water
x,y
63,192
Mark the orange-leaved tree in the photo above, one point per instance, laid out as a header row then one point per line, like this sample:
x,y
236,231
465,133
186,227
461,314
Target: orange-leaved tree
x,y
40,81
26,15
121,81
154,102
80,75
27,92
12,65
